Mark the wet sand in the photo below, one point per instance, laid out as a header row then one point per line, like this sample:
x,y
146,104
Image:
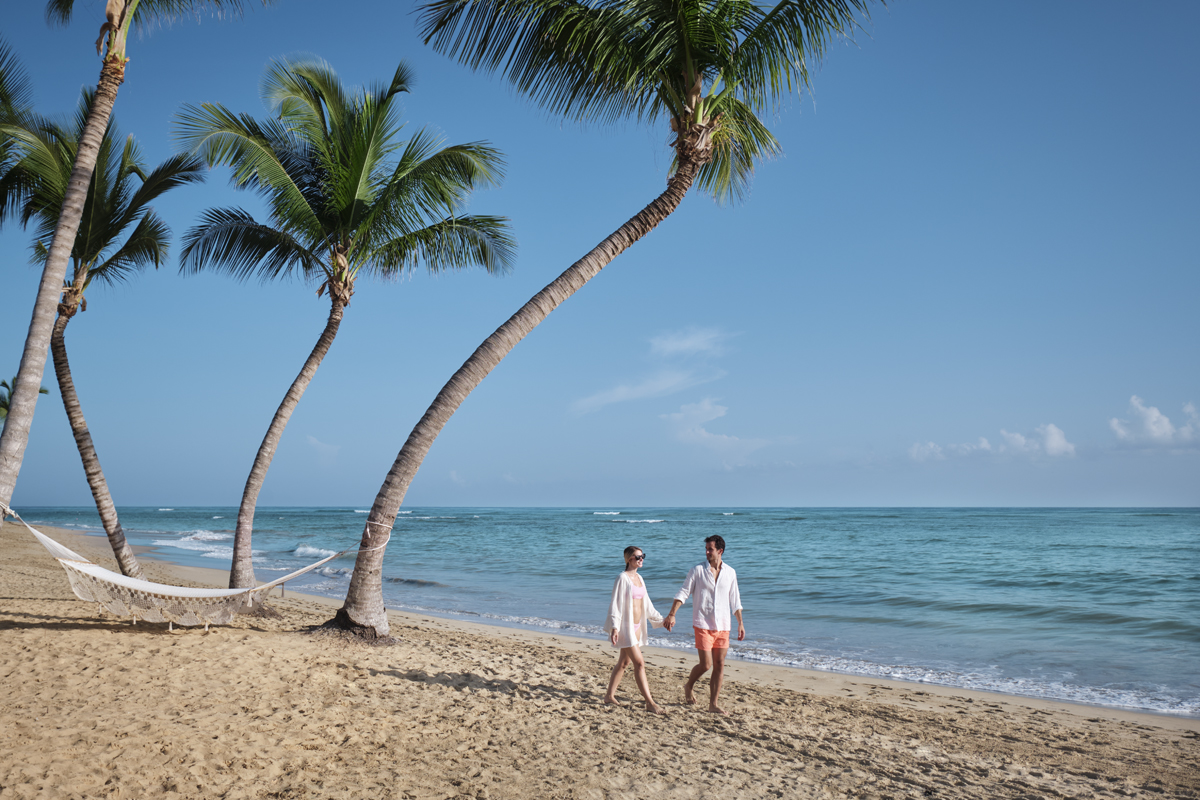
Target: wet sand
x,y
264,708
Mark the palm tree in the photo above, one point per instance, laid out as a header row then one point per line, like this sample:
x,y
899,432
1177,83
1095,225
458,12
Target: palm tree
x,y
119,235
710,68
120,15
6,392
345,194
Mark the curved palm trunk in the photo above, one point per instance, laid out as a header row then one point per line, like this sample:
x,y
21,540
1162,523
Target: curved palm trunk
x,y
363,610
37,341
91,462
241,574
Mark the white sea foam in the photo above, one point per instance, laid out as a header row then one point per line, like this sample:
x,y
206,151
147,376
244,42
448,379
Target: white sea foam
x,y
305,551
218,518
403,512
206,536
205,549
1157,701
368,511
639,520
727,513
606,513
166,509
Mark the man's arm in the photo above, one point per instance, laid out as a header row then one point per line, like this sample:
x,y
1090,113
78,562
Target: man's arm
x,y
735,600
669,619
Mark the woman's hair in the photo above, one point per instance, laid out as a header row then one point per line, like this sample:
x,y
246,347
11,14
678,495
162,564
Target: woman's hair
x,y
630,551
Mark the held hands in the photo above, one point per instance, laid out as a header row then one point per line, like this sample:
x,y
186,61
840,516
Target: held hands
x,y
669,621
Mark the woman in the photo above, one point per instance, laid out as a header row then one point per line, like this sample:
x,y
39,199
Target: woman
x,y
626,626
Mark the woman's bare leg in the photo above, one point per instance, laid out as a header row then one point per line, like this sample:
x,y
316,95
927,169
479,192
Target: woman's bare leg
x,y
614,680
643,683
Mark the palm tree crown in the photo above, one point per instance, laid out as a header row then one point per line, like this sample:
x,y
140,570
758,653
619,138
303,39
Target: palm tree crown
x,y
119,232
338,202
710,67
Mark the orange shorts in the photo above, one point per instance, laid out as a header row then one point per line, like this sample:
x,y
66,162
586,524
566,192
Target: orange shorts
x,y
711,640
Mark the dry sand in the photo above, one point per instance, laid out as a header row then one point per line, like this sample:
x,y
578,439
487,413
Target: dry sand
x,y
96,707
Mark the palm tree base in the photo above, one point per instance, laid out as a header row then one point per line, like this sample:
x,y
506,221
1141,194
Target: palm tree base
x,y
368,633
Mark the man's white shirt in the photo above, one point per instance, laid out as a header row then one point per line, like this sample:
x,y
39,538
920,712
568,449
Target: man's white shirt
x,y
714,600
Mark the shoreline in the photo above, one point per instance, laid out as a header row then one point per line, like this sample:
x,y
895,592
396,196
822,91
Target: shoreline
x,y
796,679
274,707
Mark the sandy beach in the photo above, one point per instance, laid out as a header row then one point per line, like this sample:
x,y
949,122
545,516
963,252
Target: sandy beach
x,y
265,708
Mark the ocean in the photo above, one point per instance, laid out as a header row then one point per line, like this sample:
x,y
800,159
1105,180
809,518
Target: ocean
x,y
1096,606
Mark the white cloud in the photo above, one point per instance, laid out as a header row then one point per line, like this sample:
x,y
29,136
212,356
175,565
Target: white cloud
x,y
665,382
689,423
983,446
1047,439
689,342
926,452
454,478
1054,441
1152,428
678,346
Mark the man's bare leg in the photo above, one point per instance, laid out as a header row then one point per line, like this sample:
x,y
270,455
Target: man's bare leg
x,y
697,673
718,677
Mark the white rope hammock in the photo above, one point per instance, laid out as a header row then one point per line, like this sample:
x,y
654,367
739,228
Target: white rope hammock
x,y
154,602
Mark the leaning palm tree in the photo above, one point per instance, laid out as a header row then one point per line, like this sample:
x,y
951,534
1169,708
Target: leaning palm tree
x,y
119,16
345,194
709,68
119,235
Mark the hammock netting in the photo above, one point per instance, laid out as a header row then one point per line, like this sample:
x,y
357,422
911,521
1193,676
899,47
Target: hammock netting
x,y
155,602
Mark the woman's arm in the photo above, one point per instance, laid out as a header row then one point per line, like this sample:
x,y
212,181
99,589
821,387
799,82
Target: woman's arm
x,y
616,607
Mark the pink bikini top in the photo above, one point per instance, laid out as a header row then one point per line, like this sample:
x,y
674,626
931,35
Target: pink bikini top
x,y
638,592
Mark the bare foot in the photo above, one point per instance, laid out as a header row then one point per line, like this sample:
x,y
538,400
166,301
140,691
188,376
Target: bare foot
x,y
611,701
689,696
716,709
654,708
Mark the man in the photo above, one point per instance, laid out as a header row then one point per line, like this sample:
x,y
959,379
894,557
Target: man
x,y
716,589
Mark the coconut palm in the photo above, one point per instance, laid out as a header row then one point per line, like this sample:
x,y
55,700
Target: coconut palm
x,y
345,194
119,235
709,68
120,15
6,392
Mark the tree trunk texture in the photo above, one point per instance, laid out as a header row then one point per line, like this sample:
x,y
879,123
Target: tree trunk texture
x,y
37,341
241,574
87,453
363,611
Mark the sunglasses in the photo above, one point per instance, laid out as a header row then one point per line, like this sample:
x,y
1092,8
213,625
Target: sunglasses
x,y
642,557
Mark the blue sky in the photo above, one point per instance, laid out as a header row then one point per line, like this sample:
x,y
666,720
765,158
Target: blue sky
x,y
971,279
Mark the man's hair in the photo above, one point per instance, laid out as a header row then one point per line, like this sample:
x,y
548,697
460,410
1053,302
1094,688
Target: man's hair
x,y
631,550
718,541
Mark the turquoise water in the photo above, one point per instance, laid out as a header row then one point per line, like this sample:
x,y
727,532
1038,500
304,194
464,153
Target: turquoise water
x,y
1098,606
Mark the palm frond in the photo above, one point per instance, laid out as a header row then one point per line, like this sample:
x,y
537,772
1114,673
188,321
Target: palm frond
x,y
453,243
259,153
16,92
230,240
148,244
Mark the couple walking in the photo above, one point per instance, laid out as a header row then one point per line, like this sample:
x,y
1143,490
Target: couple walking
x,y
714,584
